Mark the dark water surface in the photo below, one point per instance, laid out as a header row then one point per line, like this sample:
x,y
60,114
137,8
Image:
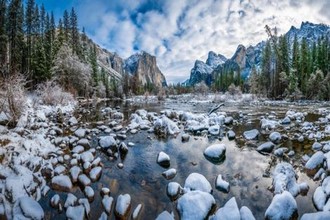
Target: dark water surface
x,y
243,168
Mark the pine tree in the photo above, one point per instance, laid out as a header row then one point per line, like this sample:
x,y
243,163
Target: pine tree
x,y
15,35
3,38
29,17
266,69
66,25
303,66
42,20
36,22
93,62
74,31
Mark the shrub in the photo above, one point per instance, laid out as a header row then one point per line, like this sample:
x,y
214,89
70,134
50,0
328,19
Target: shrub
x,y
50,93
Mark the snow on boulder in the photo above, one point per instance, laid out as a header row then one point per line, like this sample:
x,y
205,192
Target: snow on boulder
x,y
107,203
319,198
107,142
221,184
74,173
251,134
137,211
76,212
95,173
326,185
229,211
55,200
286,121
283,206
61,183
30,208
73,121
215,153
316,146
327,129
173,190
84,180
315,161
196,181
231,135
275,137
214,130
169,174
164,126
84,142
195,205
284,179
266,147
163,159
316,216
123,205
87,156
165,215
80,132
246,213
70,200
267,124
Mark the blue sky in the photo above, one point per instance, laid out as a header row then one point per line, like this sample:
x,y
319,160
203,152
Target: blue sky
x,y
178,32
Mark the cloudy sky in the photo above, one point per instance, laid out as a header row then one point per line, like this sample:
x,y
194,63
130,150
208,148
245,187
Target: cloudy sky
x,y
178,32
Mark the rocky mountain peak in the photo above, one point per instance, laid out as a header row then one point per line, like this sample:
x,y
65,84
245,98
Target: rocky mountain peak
x,y
240,56
214,60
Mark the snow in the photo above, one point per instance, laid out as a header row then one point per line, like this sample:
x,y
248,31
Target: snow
x,y
319,198
165,215
231,134
137,211
229,211
317,146
326,185
107,141
87,156
216,152
163,159
251,134
284,179
103,216
74,173
123,204
95,173
31,208
80,132
59,169
84,180
221,184
316,216
165,126
169,174
283,206
61,183
267,124
55,200
246,213
214,130
76,212
89,192
195,205
315,161
84,142
86,205
107,203
196,181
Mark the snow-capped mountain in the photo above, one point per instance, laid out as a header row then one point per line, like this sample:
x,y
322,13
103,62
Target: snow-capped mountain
x,y
244,59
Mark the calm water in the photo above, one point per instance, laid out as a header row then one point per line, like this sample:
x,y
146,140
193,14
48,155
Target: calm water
x,y
243,167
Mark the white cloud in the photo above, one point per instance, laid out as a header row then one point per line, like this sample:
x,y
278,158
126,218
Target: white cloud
x,y
180,31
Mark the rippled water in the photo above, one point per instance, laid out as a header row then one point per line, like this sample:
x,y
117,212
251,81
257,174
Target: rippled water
x,y
243,167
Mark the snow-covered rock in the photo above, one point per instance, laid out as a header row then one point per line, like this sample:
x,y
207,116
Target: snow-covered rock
x,y
315,161
275,137
246,213
165,215
107,142
84,180
319,198
173,190
215,152
326,185
316,216
195,205
251,134
70,200
286,121
266,147
75,171
231,135
214,130
284,179
221,184
61,183
123,205
165,126
107,203
267,124
283,206
30,208
75,212
196,181
55,200
169,174
87,156
89,193
136,212
80,132
229,211
317,146
95,173
163,159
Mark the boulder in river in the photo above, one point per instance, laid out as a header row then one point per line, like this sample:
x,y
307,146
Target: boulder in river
x,y
61,183
266,147
123,206
163,159
251,134
196,181
283,206
215,153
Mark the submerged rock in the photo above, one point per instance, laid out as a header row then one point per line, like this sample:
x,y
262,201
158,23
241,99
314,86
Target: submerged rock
x,y
283,206
195,205
107,142
216,152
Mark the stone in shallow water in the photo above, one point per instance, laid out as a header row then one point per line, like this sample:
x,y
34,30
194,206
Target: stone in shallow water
x,y
123,205
231,135
30,208
84,180
266,147
275,137
173,190
283,206
229,211
286,121
195,205
61,183
76,212
136,212
107,142
89,192
95,173
70,200
107,203
221,184
163,159
185,137
80,132
214,130
316,216
216,153
165,215
74,173
251,134
319,198
55,200
315,161
246,213
196,181
169,174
